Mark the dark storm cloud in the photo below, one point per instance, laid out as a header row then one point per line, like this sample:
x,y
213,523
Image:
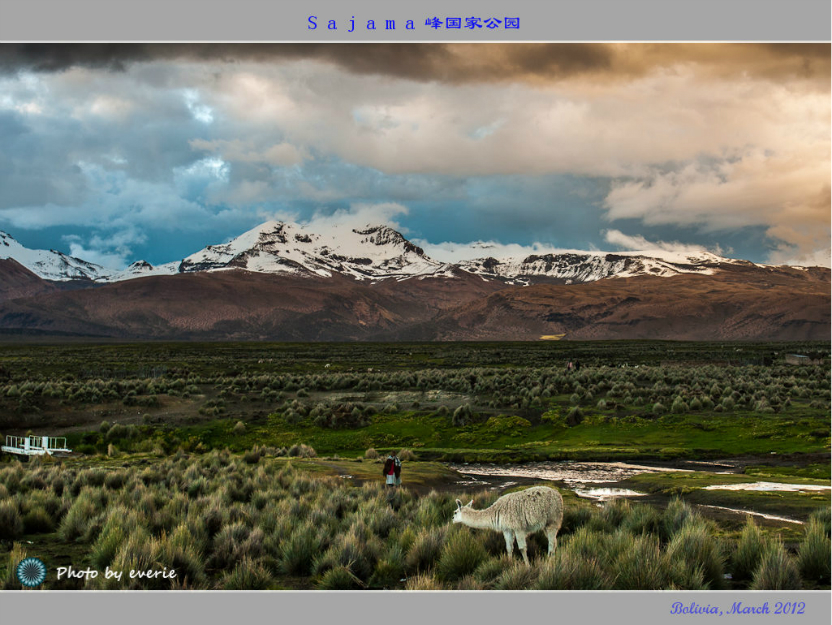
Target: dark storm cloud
x,y
449,63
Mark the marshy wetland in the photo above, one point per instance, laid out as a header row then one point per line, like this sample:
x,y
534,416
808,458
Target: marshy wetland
x,y
258,465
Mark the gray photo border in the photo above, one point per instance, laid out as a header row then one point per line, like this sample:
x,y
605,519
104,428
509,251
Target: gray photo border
x,y
279,21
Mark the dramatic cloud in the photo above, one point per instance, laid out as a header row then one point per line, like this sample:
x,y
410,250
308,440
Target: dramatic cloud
x,y
445,62
356,216
451,252
639,243
526,147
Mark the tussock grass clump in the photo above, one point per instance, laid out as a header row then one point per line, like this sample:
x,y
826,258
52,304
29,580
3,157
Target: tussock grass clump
x,y
302,451
566,570
574,518
227,545
389,570
695,545
640,564
79,518
470,583
824,517
461,555
425,549
252,456
642,520
683,576
299,551
777,570
353,551
138,552
675,516
814,554
339,578
518,576
11,525
247,575
615,511
587,543
406,455
10,581
490,569
371,454
750,549
38,521
432,510
423,581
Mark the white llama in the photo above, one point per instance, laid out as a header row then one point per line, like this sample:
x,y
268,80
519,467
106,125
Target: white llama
x,y
518,515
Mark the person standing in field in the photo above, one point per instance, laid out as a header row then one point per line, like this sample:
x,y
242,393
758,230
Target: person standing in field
x,y
392,471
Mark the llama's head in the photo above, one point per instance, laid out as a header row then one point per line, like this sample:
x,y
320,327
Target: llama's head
x,y
458,511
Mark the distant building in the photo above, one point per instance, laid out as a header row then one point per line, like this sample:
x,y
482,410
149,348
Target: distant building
x,y
798,359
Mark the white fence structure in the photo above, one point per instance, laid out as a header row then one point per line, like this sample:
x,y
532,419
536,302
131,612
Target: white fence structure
x,y
35,445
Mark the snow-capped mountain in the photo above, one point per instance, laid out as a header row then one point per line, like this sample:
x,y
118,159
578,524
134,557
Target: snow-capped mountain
x,y
574,267
50,264
371,253
141,269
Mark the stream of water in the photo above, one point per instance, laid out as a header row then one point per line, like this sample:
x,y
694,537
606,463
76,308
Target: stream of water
x,y
586,478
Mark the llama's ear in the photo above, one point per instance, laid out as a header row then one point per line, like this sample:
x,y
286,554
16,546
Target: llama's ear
x,y
458,503
469,504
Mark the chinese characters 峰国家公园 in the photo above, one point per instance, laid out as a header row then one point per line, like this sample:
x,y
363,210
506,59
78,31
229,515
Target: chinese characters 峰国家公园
x,y
449,23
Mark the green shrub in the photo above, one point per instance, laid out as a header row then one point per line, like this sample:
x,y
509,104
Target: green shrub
x,y
461,556
686,577
490,569
247,575
518,576
10,581
11,525
750,549
566,570
642,520
814,555
695,545
389,570
38,521
423,581
339,578
776,571
299,551
406,455
824,517
79,518
674,517
640,565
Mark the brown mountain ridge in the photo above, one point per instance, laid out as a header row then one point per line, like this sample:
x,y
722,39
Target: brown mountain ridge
x,y
738,302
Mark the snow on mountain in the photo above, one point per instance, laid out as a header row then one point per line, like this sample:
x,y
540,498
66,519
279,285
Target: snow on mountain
x,y
574,266
142,269
372,253
50,264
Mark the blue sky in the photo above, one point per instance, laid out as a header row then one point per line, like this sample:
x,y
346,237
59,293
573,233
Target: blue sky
x,y
154,152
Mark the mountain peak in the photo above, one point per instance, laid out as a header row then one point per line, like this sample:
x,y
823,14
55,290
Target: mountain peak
x,y
373,253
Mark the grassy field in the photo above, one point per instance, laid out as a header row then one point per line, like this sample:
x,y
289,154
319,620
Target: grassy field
x,y
243,465
224,521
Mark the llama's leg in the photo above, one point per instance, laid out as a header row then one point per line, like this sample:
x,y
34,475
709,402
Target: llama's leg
x,y
552,535
509,536
521,542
